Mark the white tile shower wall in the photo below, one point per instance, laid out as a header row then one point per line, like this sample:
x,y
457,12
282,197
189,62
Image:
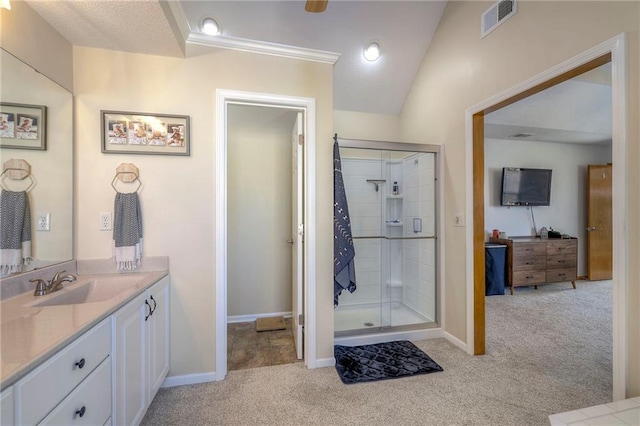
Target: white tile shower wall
x,y
418,265
366,220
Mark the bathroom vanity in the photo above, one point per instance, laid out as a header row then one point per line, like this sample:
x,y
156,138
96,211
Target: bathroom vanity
x,y
94,353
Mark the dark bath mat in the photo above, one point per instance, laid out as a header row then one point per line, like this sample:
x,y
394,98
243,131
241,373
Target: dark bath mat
x,y
389,360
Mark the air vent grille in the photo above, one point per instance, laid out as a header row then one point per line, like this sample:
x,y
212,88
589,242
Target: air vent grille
x,y
496,15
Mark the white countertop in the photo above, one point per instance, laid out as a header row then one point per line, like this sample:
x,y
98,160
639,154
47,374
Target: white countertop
x,y
31,335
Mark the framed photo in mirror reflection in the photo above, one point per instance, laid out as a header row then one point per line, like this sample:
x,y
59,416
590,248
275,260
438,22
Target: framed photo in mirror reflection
x,y
142,133
23,126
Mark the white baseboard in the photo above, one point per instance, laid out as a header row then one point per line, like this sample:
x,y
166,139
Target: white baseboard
x,y
189,379
253,317
454,340
370,339
325,362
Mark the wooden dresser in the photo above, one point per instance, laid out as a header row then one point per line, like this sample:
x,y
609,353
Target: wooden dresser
x,y
532,261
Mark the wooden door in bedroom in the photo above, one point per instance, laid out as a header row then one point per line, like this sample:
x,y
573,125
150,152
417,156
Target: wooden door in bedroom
x,y
599,223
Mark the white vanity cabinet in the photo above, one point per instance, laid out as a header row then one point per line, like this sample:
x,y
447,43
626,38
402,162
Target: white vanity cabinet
x,y
6,407
56,385
141,352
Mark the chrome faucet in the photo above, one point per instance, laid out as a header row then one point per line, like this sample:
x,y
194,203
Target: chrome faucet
x,y
55,284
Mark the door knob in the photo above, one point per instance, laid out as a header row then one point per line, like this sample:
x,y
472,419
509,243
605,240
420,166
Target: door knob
x,y
591,228
290,242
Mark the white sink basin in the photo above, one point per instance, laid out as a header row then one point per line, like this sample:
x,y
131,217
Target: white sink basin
x,y
88,291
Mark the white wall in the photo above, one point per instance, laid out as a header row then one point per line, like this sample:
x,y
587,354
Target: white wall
x,y
567,212
178,193
258,210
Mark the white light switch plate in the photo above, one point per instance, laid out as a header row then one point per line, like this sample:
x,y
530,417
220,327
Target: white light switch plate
x,y
459,220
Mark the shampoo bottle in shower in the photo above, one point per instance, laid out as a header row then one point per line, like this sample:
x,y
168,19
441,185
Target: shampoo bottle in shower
x,y
395,188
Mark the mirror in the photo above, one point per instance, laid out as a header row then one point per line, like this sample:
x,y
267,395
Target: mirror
x,y
52,168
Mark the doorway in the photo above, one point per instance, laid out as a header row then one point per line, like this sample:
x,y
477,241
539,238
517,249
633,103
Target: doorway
x,y
610,51
224,99
261,191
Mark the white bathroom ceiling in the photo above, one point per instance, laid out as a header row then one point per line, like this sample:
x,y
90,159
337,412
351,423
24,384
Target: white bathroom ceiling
x,y
402,28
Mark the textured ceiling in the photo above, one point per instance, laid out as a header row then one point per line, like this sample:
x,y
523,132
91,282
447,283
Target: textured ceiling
x,y
403,29
576,111
129,26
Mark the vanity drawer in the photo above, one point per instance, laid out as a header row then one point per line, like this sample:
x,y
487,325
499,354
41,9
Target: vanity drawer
x,y
89,403
529,277
42,389
559,275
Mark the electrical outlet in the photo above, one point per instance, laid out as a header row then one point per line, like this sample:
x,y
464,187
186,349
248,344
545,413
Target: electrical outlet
x,y
43,221
105,222
459,220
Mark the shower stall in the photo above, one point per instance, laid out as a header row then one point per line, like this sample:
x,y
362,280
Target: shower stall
x,y
392,194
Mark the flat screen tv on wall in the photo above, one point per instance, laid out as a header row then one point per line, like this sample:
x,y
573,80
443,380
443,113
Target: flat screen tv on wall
x,y
525,187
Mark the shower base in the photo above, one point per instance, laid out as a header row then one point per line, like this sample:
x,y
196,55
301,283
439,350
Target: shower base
x,y
371,316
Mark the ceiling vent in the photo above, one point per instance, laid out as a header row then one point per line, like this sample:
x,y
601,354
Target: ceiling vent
x,y
496,15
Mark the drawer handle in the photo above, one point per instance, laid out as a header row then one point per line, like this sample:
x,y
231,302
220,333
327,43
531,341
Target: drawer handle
x,y
81,411
529,277
561,261
561,275
561,248
146,302
80,363
154,304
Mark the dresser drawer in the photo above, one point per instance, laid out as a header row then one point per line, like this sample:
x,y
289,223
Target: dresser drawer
x,y
562,261
89,403
529,263
562,247
559,275
529,277
525,250
47,385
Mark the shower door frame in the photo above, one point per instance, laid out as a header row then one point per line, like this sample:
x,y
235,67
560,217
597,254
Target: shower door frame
x,y
438,150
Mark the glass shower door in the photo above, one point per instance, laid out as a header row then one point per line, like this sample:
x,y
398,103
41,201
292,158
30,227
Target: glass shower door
x,y
392,204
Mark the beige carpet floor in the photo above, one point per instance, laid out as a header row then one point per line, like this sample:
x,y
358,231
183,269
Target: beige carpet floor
x,y
549,351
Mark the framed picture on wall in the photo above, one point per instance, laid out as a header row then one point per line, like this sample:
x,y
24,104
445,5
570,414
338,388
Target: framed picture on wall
x,y
23,126
143,133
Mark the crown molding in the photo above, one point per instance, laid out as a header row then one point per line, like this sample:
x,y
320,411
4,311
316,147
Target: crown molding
x,y
253,46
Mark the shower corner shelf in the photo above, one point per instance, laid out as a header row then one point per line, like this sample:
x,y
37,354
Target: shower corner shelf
x,y
394,197
394,223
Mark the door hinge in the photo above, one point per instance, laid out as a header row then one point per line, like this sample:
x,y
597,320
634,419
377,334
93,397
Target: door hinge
x,y
300,139
301,229
301,319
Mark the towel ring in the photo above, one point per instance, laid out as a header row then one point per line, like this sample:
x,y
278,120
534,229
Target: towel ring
x,y
127,173
17,169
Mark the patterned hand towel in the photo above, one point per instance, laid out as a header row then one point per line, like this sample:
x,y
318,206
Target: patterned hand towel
x,y
15,231
127,231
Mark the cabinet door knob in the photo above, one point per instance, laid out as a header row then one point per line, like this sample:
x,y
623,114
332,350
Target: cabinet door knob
x,y
146,302
81,411
80,363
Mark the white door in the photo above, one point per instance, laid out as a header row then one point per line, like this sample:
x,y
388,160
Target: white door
x,y
297,231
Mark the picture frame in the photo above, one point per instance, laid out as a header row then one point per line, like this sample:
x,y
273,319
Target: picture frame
x,y
23,126
145,133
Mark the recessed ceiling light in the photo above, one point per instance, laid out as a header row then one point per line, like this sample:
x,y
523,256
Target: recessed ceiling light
x,y
210,26
5,4
372,51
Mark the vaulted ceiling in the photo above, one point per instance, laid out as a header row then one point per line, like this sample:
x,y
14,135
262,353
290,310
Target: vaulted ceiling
x,y
577,111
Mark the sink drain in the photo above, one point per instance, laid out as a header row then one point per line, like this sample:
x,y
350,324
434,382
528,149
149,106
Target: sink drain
x,y
368,324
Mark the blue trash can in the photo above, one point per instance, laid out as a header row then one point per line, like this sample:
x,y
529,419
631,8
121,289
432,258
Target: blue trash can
x,y
495,256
